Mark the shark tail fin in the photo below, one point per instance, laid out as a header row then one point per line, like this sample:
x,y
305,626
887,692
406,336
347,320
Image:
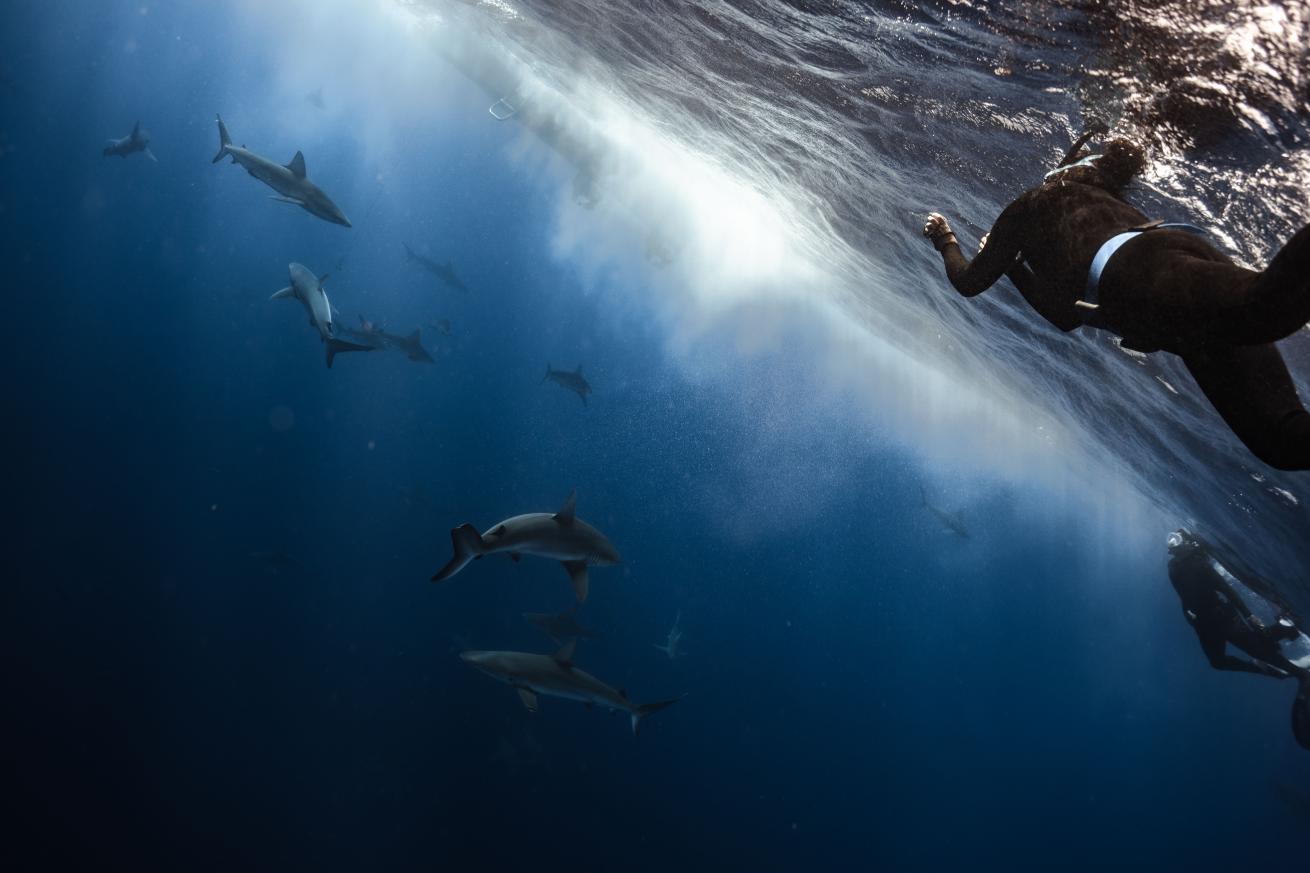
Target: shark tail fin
x,y
639,714
547,376
467,544
336,347
409,253
224,141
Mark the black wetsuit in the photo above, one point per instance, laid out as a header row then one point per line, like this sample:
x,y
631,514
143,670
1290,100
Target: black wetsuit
x,y
1163,290
1220,618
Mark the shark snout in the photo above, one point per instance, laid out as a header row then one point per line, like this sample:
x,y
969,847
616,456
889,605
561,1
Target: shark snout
x,y
487,662
334,214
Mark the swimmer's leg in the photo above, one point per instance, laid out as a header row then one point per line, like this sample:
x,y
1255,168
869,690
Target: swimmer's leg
x,y
1276,304
1251,389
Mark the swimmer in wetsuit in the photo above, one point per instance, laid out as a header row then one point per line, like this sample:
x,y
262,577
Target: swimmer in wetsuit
x,y
1214,608
1163,288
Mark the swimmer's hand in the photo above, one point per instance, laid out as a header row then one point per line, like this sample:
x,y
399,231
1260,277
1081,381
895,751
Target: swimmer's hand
x,y
938,231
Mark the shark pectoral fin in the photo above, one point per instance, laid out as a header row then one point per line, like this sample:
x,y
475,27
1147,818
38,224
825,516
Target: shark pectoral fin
x,y
589,705
515,557
564,657
567,511
577,571
281,199
529,698
151,155
640,713
284,294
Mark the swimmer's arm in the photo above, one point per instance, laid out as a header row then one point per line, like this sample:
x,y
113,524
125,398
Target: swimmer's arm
x,y
1002,250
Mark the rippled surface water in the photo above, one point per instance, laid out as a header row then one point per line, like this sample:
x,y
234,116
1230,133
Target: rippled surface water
x,y
861,117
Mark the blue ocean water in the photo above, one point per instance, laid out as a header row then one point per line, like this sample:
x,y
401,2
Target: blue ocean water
x,y
224,651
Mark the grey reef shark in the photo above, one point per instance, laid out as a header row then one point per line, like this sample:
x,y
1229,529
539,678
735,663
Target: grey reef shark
x,y
445,272
571,380
561,536
290,180
136,141
952,521
307,288
555,676
561,626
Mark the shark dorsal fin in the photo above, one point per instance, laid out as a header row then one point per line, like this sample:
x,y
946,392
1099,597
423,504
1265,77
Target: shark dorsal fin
x,y
567,511
322,280
564,657
297,166
136,128
578,371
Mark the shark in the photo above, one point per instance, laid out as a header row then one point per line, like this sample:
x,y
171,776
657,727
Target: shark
x,y
315,98
560,535
561,626
954,522
445,272
308,289
573,381
370,333
555,676
290,180
136,141
670,646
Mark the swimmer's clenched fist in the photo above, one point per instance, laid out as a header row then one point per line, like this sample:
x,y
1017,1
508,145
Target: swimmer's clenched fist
x,y
938,231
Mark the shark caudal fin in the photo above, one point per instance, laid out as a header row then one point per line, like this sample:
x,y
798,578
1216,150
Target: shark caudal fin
x,y
336,347
467,543
640,713
224,141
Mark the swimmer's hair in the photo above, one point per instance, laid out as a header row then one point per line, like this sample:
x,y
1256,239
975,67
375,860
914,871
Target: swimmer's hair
x,y
1121,160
